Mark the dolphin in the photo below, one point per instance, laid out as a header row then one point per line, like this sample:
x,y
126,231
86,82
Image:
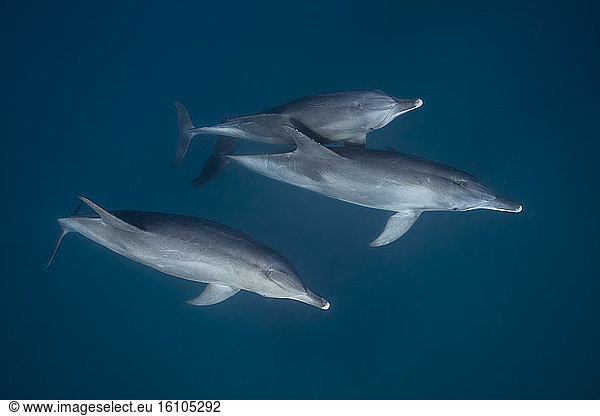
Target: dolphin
x,y
387,180
343,116
192,249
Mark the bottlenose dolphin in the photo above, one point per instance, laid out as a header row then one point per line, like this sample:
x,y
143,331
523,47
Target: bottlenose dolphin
x,y
344,116
193,249
387,180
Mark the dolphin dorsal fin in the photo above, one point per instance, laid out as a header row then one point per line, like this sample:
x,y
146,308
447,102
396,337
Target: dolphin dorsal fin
x,y
305,144
396,226
214,293
109,218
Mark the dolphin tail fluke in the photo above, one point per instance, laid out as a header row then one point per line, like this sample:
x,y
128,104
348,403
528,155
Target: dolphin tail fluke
x,y
63,231
61,235
186,132
396,226
216,163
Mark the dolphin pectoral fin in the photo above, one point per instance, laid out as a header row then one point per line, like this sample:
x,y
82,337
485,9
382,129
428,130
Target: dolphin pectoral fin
x,y
215,163
396,226
358,142
109,218
214,293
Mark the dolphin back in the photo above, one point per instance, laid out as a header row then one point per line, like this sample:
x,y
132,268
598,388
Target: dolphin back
x,y
326,101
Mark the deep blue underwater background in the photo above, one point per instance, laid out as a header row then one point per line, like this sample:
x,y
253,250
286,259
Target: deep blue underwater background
x,y
466,305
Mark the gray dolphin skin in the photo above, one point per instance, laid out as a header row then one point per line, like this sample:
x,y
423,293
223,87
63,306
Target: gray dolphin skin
x,y
193,249
387,180
344,116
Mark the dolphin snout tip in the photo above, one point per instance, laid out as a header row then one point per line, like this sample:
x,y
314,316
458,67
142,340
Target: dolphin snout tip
x,y
506,205
516,208
407,104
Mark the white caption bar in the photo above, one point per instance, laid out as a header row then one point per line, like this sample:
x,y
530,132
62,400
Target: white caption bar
x,y
302,407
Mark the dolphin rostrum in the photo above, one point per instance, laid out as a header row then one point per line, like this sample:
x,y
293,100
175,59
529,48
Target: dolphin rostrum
x,y
344,116
387,180
193,249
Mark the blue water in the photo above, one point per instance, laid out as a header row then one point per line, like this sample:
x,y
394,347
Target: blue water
x,y
466,305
